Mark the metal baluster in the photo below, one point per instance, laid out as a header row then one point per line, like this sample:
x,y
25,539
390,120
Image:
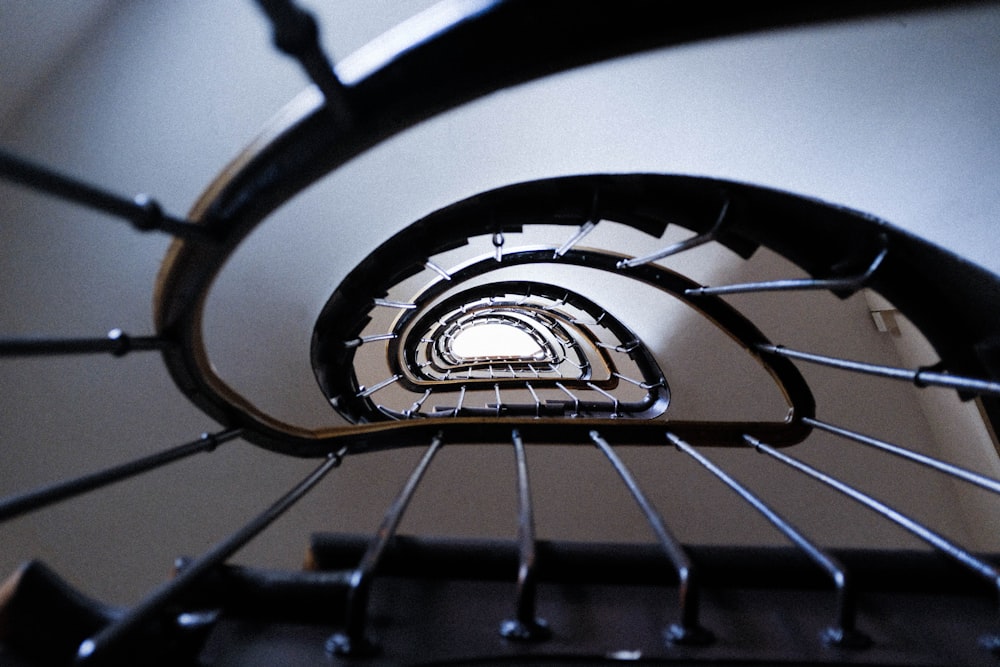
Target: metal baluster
x,y
585,229
387,303
534,396
354,641
297,34
576,401
526,626
417,404
498,242
611,397
689,631
117,343
638,383
143,212
368,391
110,641
358,342
948,548
686,244
844,632
22,503
969,476
848,284
436,268
625,348
920,377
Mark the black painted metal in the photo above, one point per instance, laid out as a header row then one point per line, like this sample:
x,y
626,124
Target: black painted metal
x,y
921,377
526,626
633,564
21,503
113,640
689,630
832,246
962,556
554,200
605,602
335,371
473,56
920,607
117,343
44,620
296,33
708,236
354,640
821,238
845,285
844,632
143,212
957,472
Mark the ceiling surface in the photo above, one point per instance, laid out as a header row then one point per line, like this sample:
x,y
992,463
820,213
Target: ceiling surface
x,y
30,62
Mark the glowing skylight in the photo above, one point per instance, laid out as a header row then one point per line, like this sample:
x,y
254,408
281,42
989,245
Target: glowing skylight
x,y
495,340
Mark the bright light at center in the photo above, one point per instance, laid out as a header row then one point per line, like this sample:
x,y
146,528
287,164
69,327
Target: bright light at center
x,y
495,341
